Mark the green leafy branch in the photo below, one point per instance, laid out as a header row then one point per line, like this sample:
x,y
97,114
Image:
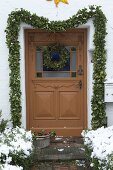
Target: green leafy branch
x,y
99,55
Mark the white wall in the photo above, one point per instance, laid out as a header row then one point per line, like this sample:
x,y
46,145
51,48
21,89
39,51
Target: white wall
x,y
48,9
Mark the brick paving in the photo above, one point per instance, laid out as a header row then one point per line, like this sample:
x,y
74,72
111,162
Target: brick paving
x,y
58,167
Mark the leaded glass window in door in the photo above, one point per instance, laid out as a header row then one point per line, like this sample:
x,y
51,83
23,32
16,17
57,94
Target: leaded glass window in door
x,y
67,70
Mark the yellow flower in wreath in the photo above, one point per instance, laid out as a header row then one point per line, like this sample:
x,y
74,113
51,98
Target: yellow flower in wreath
x,y
57,2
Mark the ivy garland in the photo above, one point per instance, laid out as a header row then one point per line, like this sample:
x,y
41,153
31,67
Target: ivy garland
x,y
55,51
99,55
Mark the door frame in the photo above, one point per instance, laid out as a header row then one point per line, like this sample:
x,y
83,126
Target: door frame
x,y
84,32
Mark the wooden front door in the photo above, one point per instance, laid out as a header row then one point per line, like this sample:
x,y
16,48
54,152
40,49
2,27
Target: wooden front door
x,y
56,99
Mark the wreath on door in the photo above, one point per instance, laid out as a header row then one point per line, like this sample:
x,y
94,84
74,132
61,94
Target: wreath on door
x,y
55,56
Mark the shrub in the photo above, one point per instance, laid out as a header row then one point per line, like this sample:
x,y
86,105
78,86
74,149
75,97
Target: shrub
x,y
3,123
15,148
99,147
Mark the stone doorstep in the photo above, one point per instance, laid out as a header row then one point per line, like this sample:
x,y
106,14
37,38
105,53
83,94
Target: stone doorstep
x,y
63,151
59,157
59,139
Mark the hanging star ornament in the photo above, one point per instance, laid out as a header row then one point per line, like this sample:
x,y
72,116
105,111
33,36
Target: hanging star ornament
x,y
57,2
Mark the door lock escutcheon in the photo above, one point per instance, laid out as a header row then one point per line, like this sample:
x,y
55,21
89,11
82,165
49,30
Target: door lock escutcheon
x,y
80,84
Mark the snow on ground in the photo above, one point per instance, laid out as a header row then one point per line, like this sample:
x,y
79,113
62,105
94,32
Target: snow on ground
x,y
10,167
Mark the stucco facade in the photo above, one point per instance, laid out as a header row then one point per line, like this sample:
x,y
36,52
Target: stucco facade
x,y
63,12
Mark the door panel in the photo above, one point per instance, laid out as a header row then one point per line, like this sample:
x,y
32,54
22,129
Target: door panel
x,y
43,105
56,100
69,105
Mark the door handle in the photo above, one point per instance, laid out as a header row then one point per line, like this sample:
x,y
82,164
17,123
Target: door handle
x,y
80,70
80,84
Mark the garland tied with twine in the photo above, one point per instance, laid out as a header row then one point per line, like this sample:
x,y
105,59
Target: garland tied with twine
x,y
99,55
55,56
